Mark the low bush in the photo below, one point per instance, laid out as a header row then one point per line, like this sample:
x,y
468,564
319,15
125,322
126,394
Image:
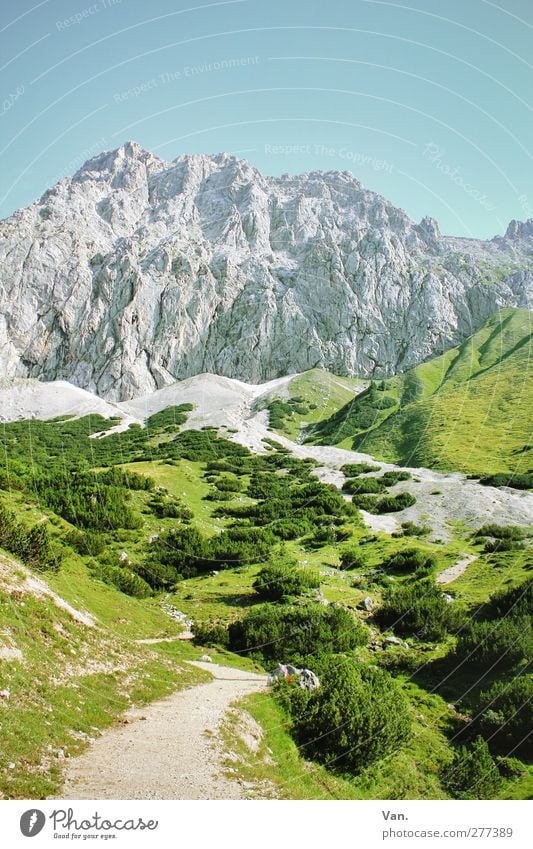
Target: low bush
x,y
395,476
122,578
517,480
170,416
357,486
472,774
419,608
32,545
517,601
351,558
169,507
354,469
210,634
228,483
506,710
282,579
410,560
395,503
500,532
87,542
293,634
489,643
358,715
410,529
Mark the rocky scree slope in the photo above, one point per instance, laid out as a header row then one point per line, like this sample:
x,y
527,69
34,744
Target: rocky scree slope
x,y
136,272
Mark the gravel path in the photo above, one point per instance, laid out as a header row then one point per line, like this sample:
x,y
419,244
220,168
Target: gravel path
x,y
168,750
455,571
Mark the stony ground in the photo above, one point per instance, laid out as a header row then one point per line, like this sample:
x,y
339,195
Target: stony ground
x,y
170,749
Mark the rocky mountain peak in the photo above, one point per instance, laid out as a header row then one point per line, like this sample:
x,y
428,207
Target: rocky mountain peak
x,y
138,271
519,229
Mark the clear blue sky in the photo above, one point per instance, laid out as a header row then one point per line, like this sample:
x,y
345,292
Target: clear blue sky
x,y
426,101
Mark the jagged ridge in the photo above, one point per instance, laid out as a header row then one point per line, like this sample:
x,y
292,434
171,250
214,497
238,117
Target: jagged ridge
x,y
136,272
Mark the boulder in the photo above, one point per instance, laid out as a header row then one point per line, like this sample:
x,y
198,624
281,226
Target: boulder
x,y
308,680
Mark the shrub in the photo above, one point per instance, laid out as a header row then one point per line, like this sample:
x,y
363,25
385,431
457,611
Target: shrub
x,y
384,403
366,502
357,716
169,507
394,503
292,634
290,528
328,535
395,476
32,545
500,532
510,767
495,545
170,416
410,560
228,483
87,542
351,558
358,486
123,579
517,480
518,601
488,643
472,773
85,500
210,634
354,469
419,608
280,580
410,529
507,710
115,476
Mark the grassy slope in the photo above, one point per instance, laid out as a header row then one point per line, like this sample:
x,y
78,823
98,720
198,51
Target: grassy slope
x,y
469,409
109,672
327,392
92,697
71,681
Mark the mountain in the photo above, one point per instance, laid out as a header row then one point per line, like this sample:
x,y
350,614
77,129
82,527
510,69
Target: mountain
x,y
136,272
470,409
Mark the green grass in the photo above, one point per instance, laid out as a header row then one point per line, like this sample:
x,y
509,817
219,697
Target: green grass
x,y
411,773
469,409
72,681
320,394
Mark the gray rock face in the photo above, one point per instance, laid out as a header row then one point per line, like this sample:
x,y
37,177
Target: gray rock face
x,y
136,272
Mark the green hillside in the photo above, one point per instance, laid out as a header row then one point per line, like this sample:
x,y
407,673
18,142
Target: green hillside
x,y
469,409
309,398
140,528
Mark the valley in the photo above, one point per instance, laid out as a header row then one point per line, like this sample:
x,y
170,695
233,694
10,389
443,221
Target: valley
x,y
218,506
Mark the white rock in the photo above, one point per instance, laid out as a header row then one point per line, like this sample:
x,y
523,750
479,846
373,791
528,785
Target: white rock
x,y
136,272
